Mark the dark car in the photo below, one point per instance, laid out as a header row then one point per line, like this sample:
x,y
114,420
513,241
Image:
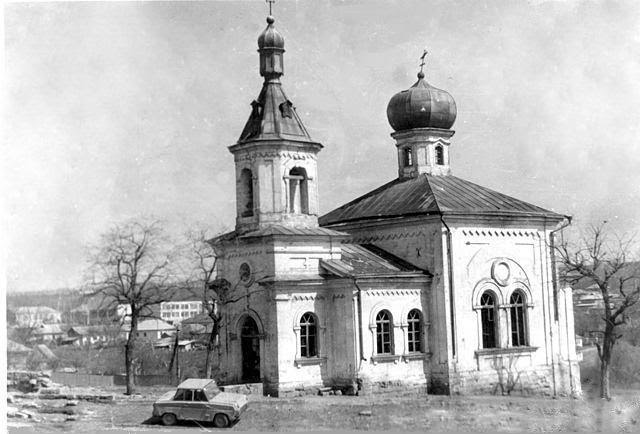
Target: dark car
x,y
200,400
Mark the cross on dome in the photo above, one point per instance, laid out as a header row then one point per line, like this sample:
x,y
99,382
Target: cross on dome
x,y
424,54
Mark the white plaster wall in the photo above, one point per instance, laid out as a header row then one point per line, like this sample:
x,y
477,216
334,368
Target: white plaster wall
x,y
475,251
398,300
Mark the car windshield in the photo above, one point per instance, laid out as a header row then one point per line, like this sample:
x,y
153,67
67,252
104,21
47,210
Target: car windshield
x,y
211,389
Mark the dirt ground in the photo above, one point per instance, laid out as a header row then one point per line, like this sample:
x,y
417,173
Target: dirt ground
x,y
406,413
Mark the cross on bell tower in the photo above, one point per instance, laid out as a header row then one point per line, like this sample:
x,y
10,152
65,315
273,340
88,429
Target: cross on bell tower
x,y
271,2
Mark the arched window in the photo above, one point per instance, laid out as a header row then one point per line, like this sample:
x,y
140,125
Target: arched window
x,y
407,157
414,338
298,194
439,155
384,333
518,320
488,317
246,193
308,334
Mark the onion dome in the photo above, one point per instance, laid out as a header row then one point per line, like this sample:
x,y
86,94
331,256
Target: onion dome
x,y
270,37
271,49
421,106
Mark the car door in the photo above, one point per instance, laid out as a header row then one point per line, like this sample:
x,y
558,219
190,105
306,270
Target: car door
x,y
201,405
193,409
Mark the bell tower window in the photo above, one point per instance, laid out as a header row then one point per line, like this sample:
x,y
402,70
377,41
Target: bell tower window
x,y
439,156
407,157
246,193
298,191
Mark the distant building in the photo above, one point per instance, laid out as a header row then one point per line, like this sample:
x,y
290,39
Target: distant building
x,y
89,335
96,310
175,312
200,324
151,329
48,333
168,343
30,316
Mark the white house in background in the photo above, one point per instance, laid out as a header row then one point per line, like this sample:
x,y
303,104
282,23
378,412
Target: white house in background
x,y
151,329
124,310
175,312
29,316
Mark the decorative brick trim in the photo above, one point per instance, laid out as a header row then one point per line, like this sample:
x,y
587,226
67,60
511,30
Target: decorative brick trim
x,y
499,233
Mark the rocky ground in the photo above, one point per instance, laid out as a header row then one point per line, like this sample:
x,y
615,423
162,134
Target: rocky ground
x,y
91,410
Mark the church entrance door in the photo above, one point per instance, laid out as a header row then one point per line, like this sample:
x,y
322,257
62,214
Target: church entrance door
x,y
250,343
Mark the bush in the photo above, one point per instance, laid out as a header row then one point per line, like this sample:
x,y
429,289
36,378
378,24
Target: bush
x,y
625,370
110,360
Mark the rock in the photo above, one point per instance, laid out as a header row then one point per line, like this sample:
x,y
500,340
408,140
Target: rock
x,y
50,391
30,405
338,392
33,382
365,413
71,418
11,411
71,403
29,414
10,399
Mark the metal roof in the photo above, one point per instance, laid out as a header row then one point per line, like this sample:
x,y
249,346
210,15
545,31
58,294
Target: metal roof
x,y
279,230
429,194
195,383
365,259
273,117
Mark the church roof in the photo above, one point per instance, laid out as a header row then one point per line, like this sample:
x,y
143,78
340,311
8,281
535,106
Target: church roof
x,y
358,260
274,230
433,195
273,117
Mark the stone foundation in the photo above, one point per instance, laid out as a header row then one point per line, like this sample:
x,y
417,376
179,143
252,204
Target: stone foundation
x,y
523,383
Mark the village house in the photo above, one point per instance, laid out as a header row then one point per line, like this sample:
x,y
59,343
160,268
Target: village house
x,y
428,281
48,333
89,335
152,329
29,316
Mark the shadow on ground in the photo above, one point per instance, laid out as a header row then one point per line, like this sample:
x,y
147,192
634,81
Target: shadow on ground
x,y
155,420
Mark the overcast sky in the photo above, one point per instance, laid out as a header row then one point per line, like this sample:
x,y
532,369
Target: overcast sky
x,y
122,109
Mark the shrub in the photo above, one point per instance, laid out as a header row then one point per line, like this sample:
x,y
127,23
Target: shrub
x,y
625,370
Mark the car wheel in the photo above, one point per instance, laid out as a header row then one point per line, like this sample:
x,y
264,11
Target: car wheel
x,y
220,420
169,419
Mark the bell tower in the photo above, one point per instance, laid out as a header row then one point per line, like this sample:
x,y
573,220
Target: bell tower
x,y
275,158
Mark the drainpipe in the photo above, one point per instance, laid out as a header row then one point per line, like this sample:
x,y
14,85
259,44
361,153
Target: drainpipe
x,y
554,281
360,332
554,278
450,272
360,357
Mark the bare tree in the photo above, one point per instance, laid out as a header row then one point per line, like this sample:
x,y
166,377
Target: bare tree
x,y
203,263
133,267
603,260
217,293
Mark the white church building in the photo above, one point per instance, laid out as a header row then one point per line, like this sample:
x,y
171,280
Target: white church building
x,y
428,282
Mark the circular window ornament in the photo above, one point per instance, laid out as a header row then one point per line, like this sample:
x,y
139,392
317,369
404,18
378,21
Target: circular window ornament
x,y
500,272
245,273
